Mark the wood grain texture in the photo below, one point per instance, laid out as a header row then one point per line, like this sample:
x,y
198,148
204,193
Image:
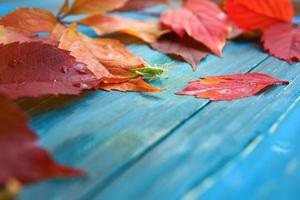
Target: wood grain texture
x,y
164,146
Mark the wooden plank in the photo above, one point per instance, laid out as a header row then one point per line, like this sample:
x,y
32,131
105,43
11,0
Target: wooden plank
x,y
105,133
268,169
207,142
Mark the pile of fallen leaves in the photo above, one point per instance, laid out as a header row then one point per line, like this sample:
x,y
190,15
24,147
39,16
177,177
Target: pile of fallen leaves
x,y
42,54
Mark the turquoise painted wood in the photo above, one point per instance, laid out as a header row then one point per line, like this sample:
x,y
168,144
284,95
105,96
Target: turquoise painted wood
x,y
164,146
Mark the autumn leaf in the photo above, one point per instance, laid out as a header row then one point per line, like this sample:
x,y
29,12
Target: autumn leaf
x,y
10,190
145,30
91,6
259,14
79,46
64,8
186,48
100,55
134,5
29,21
202,20
283,41
108,59
20,157
230,87
134,85
9,35
36,69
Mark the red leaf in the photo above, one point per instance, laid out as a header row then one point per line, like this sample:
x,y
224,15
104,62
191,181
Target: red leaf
x,y
283,41
145,30
20,157
259,14
186,48
202,20
230,87
35,69
29,20
133,85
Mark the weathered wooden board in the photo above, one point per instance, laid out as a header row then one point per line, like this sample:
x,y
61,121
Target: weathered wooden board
x,y
164,146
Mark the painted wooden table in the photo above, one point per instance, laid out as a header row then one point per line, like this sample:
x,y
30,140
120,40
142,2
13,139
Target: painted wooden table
x,y
163,146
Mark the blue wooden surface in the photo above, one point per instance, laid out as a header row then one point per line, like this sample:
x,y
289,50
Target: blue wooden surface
x,y
163,146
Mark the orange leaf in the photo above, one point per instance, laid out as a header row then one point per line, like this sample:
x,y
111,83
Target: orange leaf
x,y
202,20
186,48
29,21
9,35
133,85
147,31
259,14
133,5
64,8
80,47
112,54
230,87
57,32
108,59
92,6
283,41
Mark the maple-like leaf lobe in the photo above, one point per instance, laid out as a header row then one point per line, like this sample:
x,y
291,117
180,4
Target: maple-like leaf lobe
x,y
230,87
35,69
283,41
20,157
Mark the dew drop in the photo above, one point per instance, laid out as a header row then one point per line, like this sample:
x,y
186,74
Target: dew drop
x,y
12,63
